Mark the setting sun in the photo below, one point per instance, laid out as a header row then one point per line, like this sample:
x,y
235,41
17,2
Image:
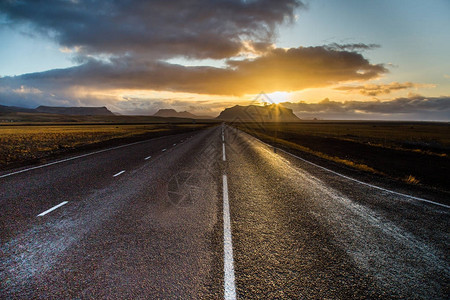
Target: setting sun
x,y
277,97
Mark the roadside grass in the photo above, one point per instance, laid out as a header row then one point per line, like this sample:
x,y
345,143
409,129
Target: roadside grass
x,y
425,138
416,153
336,159
411,180
27,143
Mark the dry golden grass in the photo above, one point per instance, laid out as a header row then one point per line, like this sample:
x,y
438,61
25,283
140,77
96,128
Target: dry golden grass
x,y
411,180
411,137
291,145
414,153
21,143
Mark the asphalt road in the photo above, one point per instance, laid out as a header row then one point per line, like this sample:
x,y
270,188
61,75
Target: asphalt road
x,y
213,214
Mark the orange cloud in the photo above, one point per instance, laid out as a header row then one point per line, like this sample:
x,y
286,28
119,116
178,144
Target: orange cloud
x,y
277,70
379,89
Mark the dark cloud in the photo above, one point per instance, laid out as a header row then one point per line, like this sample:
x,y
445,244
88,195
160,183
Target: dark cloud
x,y
277,70
31,97
379,89
412,108
156,29
352,47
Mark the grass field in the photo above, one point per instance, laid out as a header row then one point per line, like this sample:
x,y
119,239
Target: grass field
x,y
22,144
415,153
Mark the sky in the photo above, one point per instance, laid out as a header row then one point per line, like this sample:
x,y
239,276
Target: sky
x,y
328,59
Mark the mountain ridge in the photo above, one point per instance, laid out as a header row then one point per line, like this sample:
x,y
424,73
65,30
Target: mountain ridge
x,y
255,113
75,111
172,113
59,110
237,113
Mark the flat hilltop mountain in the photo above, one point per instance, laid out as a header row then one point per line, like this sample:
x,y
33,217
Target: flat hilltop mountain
x,y
75,111
14,109
57,110
172,113
255,113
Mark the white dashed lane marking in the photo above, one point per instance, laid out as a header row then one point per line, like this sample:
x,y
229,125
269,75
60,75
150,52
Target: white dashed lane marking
x,y
52,209
117,174
224,158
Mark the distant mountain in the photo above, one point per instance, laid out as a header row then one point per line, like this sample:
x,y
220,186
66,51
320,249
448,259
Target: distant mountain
x,y
172,113
12,109
75,111
255,113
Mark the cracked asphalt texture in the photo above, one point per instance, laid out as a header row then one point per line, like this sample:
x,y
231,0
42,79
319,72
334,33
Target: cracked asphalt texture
x,y
156,232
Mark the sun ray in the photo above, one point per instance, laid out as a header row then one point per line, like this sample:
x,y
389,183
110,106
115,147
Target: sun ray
x,y
278,97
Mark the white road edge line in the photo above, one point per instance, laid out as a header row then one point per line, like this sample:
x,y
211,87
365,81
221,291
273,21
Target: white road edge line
x,y
228,262
121,172
223,152
52,209
148,157
79,156
355,180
